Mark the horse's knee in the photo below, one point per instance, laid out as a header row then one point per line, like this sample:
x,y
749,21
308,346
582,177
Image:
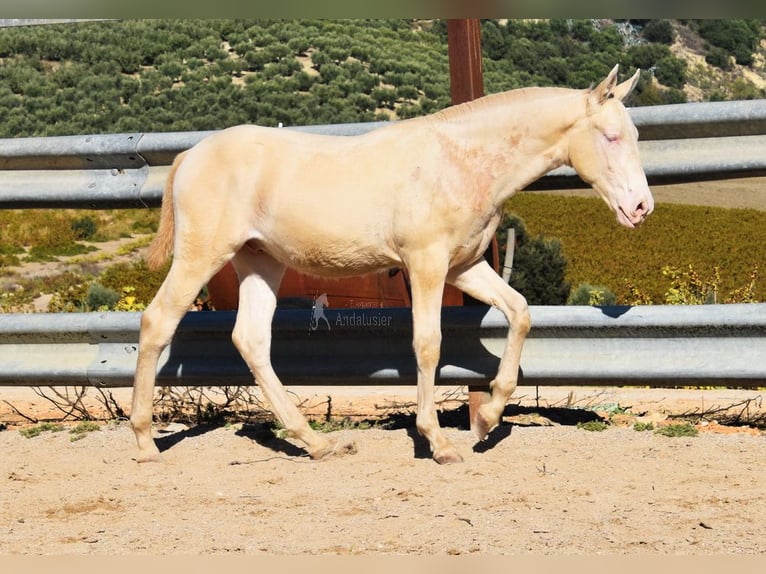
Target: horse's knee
x,y
522,320
427,349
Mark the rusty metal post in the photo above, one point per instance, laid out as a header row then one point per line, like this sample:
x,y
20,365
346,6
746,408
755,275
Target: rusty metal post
x,y
464,44
466,84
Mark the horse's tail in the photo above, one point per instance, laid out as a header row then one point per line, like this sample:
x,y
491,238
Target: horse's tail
x,y
162,245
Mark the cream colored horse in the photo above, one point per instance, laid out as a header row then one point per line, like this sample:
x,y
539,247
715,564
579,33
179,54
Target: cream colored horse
x,y
425,194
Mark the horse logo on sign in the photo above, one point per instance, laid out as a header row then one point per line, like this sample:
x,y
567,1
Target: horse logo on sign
x,y
317,312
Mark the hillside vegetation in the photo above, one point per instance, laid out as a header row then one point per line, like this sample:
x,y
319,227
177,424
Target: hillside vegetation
x,y
600,252
167,75
179,75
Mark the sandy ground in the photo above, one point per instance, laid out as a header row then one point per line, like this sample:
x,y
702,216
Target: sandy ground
x,y
538,485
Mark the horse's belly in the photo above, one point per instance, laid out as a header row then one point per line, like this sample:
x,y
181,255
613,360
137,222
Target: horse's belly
x,y
338,260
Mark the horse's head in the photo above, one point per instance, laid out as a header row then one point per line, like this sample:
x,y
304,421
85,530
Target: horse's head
x,y
603,149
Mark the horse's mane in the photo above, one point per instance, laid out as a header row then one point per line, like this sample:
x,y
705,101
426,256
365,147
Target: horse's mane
x,y
512,97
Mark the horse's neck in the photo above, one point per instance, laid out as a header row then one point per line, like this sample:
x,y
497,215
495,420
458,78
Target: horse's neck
x,y
518,135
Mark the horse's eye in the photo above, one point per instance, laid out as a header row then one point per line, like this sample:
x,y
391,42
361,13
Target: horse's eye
x,y
611,138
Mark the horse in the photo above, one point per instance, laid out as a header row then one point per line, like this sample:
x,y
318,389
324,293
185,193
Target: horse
x,y
425,194
317,312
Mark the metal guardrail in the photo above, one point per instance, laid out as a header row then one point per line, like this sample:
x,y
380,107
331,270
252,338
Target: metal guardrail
x,y
679,142
646,345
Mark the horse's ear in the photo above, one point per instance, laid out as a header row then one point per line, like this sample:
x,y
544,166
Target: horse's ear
x,y
621,91
604,90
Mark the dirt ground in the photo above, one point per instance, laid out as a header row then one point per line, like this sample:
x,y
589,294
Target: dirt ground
x,y
539,485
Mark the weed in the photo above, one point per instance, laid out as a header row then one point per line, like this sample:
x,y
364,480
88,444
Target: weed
x,y
9,255
128,301
640,427
82,429
611,408
37,430
209,405
593,426
678,430
135,245
332,425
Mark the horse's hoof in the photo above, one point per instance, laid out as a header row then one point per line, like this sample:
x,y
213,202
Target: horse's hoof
x,y
332,450
447,455
480,426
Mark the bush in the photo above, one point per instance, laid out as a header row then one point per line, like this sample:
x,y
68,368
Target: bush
x,y
741,89
539,269
671,71
539,265
738,37
649,93
83,227
719,58
144,283
101,298
586,294
660,31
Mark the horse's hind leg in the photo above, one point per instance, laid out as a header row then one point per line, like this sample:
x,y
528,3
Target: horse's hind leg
x,y
260,276
481,282
158,323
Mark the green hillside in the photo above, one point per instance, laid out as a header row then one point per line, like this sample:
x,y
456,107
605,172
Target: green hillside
x,y
167,75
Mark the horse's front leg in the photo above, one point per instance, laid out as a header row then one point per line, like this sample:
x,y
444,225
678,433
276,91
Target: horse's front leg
x,y
481,282
427,285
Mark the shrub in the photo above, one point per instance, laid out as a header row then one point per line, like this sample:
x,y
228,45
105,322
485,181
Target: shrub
x,y
738,37
83,227
70,299
137,275
719,58
741,89
539,265
646,56
586,294
671,71
101,298
660,31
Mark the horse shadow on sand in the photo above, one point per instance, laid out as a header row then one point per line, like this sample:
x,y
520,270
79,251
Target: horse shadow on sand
x,y
264,432
353,348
